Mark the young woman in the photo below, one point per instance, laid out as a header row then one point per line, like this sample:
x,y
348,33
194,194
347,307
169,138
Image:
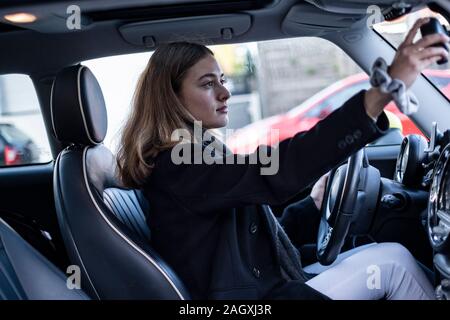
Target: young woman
x,y
210,220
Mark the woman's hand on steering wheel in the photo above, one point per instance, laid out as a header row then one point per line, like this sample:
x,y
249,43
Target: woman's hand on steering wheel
x,y
318,190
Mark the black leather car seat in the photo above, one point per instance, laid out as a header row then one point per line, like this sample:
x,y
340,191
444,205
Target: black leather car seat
x,y
25,274
103,225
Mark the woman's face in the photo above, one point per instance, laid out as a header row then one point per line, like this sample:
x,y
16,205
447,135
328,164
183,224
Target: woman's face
x,y
204,95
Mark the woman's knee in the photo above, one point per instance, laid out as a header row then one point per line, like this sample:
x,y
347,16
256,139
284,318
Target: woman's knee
x,y
394,252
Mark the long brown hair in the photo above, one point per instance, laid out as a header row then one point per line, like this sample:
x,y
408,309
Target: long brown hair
x,y
156,110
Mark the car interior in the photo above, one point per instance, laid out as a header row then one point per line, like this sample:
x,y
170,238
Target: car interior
x,y
73,211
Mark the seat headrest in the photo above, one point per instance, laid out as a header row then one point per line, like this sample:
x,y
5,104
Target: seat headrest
x,y
78,109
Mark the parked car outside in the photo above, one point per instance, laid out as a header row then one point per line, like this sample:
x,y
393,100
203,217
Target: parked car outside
x,y
16,147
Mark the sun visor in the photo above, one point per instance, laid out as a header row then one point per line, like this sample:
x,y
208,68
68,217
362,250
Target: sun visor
x,y
308,20
150,33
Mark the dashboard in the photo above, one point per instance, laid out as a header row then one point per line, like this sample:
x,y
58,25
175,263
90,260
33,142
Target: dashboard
x,y
425,165
439,203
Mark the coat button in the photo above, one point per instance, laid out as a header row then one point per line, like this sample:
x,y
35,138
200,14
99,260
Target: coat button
x,y
342,144
253,228
349,139
256,272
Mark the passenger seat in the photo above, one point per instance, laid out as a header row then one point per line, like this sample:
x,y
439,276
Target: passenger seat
x,y
25,274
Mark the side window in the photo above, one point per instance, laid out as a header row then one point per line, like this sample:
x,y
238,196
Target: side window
x,y
117,76
299,82
23,139
335,101
442,81
287,85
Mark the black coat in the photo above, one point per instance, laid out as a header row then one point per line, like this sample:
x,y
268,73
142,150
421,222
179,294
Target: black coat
x,y
211,222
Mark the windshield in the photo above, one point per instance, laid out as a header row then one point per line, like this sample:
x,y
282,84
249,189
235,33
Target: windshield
x,y
395,32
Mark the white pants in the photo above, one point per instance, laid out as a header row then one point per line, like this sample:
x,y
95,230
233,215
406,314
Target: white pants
x,y
372,272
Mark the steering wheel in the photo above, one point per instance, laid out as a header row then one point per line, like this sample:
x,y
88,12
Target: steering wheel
x,y
345,188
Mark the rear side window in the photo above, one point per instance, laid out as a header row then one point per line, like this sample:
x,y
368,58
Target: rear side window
x,y
23,139
11,134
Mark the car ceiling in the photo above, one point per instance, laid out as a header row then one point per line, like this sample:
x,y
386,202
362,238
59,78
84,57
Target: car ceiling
x,y
112,27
